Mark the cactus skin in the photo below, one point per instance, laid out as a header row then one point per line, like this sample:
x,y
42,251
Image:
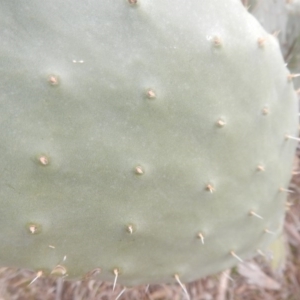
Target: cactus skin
x,y
283,18
138,141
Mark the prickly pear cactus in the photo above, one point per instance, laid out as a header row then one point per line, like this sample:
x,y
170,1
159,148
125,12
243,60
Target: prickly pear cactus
x,y
144,141
283,19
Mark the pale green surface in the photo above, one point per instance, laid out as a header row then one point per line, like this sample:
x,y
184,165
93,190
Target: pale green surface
x,y
278,254
97,125
282,18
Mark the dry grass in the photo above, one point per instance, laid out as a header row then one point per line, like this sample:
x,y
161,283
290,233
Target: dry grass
x,y
253,280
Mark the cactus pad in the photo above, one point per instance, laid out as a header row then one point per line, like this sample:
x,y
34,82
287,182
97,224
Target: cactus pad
x,y
141,141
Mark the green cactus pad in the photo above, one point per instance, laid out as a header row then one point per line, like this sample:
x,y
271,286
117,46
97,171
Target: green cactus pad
x,y
140,139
